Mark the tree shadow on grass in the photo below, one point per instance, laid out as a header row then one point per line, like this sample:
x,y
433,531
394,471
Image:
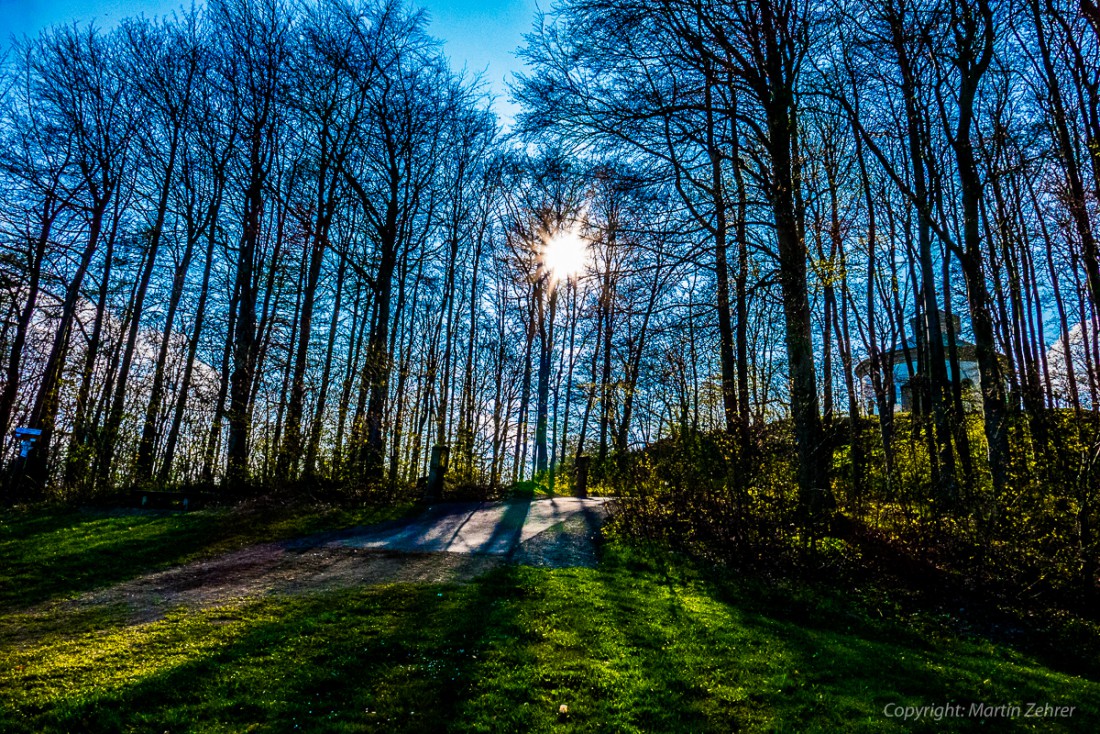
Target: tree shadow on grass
x,y
840,669
645,653
626,649
393,659
49,554
572,637
54,554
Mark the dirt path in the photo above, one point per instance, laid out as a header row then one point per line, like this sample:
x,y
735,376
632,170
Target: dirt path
x,y
452,542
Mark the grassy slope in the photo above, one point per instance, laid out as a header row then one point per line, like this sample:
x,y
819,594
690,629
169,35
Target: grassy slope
x,y
637,644
50,553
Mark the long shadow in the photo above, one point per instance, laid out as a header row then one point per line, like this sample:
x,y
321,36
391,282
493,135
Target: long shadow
x,y
427,520
777,662
397,659
629,650
594,518
49,555
571,537
509,528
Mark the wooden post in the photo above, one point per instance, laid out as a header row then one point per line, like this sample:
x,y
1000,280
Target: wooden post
x,y
440,456
580,476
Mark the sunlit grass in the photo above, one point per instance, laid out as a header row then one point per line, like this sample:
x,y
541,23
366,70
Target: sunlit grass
x,y
331,661
661,649
644,643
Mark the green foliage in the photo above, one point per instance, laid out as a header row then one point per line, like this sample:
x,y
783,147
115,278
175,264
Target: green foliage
x,y
1039,537
697,493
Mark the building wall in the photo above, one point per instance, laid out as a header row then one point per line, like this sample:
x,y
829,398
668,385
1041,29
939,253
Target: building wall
x,y
903,400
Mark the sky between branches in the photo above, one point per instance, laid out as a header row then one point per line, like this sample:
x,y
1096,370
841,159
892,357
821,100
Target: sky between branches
x,y
481,35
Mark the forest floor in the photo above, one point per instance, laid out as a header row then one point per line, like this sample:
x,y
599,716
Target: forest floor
x,y
504,617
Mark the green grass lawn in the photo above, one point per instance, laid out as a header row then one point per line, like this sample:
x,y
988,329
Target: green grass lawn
x,y
646,642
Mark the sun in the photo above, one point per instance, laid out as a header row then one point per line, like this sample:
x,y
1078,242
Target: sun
x,y
564,254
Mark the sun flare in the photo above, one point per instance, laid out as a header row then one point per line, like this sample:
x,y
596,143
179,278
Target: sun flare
x,y
564,254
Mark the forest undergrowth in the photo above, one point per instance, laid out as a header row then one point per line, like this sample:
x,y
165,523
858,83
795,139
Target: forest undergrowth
x,y
1018,567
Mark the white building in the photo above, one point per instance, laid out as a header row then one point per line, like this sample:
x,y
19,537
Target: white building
x,y
903,363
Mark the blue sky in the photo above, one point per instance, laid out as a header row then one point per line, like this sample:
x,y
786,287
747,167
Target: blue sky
x,y
479,34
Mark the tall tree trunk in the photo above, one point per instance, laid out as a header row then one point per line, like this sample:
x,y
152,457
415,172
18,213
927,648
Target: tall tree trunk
x,y
77,460
143,467
634,362
721,264
193,342
607,299
316,425
469,391
46,401
546,351
244,329
275,445
447,310
290,453
355,348
838,272
815,495
50,210
881,370
118,406
210,453
519,459
377,370
974,58
747,449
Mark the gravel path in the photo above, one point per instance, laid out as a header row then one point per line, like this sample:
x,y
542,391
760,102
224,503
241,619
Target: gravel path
x,y
446,543
480,528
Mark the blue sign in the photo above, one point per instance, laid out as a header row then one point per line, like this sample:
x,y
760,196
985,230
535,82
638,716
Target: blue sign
x,y
27,437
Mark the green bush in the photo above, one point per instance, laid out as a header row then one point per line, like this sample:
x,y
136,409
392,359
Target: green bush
x,y
696,492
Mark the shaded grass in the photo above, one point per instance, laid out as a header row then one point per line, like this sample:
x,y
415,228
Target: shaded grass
x,y
644,643
333,662
640,646
57,552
